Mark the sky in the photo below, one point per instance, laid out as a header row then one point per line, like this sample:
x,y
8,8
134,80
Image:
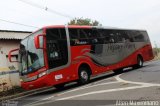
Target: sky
x,y
129,14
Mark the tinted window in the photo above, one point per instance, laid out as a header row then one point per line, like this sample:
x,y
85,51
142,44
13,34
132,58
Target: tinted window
x,y
85,36
124,36
57,33
108,36
78,36
83,33
57,48
140,36
146,38
101,36
73,33
92,35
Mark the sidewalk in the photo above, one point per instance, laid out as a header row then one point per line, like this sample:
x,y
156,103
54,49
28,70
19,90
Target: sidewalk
x,y
10,86
24,93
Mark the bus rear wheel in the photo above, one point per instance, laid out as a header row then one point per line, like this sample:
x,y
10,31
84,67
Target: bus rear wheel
x,y
84,75
139,63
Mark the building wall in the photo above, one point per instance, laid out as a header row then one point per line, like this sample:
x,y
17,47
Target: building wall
x,y
9,40
5,47
7,74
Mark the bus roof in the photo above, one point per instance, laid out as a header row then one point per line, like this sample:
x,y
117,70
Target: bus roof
x,y
83,26
89,27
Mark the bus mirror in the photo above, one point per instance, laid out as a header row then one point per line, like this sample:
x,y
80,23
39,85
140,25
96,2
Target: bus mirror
x,y
11,54
38,41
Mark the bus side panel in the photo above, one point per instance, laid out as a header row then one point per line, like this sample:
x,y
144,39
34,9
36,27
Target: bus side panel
x,y
70,73
78,57
147,53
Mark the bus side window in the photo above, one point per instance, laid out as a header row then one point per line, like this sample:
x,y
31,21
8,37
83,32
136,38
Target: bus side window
x,y
104,37
146,38
129,36
74,36
123,36
95,36
100,36
83,33
112,38
118,37
138,36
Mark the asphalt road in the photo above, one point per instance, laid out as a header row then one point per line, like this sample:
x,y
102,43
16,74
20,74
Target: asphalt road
x,y
108,90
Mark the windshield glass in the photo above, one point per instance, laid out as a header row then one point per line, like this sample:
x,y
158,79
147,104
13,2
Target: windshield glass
x,y
31,59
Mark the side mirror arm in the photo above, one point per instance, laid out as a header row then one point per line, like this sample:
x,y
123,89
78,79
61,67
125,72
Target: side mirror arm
x,y
10,55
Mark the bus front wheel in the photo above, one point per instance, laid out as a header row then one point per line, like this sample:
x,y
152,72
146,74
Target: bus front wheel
x,y
84,75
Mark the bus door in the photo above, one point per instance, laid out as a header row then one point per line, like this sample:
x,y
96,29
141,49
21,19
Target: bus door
x,y
57,48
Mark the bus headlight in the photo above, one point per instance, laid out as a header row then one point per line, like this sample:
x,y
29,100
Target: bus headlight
x,y
42,74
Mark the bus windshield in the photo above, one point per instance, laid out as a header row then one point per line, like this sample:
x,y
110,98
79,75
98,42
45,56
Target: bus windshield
x,y
31,59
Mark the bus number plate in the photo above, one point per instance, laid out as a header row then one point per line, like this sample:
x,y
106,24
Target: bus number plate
x,y
58,76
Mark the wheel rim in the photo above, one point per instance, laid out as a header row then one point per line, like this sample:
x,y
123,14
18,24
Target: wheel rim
x,y
84,75
140,62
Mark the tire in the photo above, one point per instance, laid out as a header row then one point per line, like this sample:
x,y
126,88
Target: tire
x,y
59,86
84,76
118,71
139,63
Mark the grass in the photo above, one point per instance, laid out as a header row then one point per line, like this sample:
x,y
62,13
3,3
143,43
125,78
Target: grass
x,y
157,57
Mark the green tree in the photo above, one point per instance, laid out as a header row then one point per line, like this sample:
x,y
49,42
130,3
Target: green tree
x,y
84,21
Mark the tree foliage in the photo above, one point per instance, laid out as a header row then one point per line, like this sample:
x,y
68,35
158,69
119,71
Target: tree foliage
x,y
84,21
156,51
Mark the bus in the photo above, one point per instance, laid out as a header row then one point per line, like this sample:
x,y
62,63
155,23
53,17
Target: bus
x,y
59,54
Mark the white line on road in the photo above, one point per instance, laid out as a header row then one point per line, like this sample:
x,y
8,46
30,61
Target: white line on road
x,y
140,83
48,98
143,85
119,80
89,86
103,91
84,87
37,102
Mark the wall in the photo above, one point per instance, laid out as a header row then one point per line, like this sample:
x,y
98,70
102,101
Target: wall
x,y
8,80
5,47
8,77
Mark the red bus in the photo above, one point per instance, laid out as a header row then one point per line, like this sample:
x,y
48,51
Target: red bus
x,y
56,55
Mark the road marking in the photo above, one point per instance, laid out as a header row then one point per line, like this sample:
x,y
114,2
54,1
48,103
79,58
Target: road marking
x,y
89,86
140,83
89,93
36,92
143,85
119,80
104,91
84,87
33,103
48,98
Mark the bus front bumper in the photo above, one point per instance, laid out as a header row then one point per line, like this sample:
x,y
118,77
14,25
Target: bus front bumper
x,y
38,83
